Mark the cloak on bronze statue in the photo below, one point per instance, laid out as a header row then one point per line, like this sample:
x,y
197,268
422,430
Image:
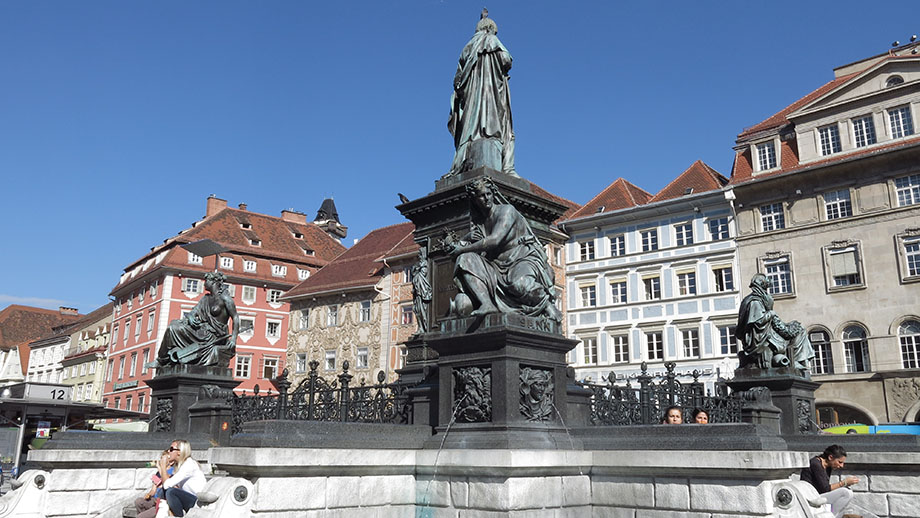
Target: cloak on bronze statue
x,y
202,336
480,107
501,267
767,341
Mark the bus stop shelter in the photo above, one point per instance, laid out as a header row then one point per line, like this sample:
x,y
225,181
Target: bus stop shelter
x,y
35,410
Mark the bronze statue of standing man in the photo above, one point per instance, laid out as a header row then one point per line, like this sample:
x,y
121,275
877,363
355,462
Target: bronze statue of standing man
x,y
480,114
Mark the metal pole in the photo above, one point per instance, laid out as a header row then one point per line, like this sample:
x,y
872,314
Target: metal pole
x,y
21,437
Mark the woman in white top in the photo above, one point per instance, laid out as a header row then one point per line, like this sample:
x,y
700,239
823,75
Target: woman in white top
x,y
187,480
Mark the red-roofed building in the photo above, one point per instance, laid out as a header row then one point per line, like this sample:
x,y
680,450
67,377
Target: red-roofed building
x,y
264,257
20,325
651,278
358,308
828,207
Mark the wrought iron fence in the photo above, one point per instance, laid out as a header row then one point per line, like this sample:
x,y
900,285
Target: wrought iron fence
x,y
317,399
626,404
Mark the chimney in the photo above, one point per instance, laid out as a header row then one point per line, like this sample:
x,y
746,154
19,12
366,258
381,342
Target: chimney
x,y
214,206
242,206
68,311
293,216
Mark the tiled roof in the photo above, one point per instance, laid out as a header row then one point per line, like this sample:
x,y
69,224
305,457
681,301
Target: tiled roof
x,y
572,206
742,170
778,119
22,324
276,237
699,177
359,266
93,316
619,195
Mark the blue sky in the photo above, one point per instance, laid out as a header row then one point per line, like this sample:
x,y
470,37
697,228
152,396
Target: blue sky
x,y
117,119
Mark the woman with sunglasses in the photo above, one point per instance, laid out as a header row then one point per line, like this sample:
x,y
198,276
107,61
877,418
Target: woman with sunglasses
x,y
181,489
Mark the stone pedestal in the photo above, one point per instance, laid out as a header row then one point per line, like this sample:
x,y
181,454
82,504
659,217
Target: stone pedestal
x,y
421,373
794,395
501,384
176,388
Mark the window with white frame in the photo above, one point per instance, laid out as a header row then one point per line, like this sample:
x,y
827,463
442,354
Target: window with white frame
x,y
304,319
910,251
255,242
617,245
856,349
864,131
141,402
652,285
194,258
243,365
654,345
766,156
618,293
686,283
121,367
727,342
274,296
588,295
132,370
908,190
138,322
269,367
690,339
247,325
837,204
329,364
909,336
140,295
829,136
779,272
128,401
191,285
823,362
272,329
127,328
146,358
718,228
249,294
557,252
131,301
724,280
117,402
301,364
151,320
406,315
279,270
114,333
109,370
92,366
153,289
303,274
649,239
900,122
249,266
589,347
619,348
226,263
843,266
364,313
771,217
684,234
586,250
332,315
361,358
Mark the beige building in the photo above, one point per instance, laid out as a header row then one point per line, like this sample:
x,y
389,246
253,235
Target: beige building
x,y
828,207
84,362
358,309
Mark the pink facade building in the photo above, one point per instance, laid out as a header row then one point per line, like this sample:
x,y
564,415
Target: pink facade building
x,y
264,257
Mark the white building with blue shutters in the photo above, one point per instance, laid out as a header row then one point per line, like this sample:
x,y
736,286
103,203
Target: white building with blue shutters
x,y
654,279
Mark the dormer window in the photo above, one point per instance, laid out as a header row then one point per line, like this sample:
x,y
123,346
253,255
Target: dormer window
x,y
297,235
255,242
864,131
830,139
246,226
194,258
766,156
900,122
894,81
308,251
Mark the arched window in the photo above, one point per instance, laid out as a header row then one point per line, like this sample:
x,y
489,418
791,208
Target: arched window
x,y
823,362
856,349
894,80
909,335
